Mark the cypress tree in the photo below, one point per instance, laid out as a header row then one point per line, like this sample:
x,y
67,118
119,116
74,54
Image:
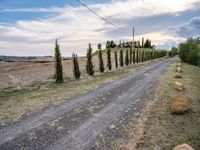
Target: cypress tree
x,y
142,56
76,70
151,55
58,64
101,64
109,65
89,64
126,58
121,58
142,42
137,56
134,56
116,60
131,55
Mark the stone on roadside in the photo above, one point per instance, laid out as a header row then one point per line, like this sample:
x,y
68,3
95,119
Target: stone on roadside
x,y
178,75
183,147
178,69
178,86
179,105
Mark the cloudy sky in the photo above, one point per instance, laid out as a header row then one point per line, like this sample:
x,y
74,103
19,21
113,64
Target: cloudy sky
x,y
30,27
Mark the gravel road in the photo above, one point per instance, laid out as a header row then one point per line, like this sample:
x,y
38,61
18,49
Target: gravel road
x,y
78,123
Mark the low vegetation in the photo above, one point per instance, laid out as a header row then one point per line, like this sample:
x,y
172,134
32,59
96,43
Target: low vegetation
x,y
163,129
189,51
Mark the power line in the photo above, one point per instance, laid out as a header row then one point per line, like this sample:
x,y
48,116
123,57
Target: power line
x,y
102,18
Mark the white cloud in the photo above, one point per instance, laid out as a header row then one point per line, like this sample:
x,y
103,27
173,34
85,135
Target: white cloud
x,y
75,27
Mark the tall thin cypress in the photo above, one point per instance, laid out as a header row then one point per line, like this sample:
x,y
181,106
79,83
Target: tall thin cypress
x,y
121,58
109,65
101,64
126,58
151,55
116,60
131,55
58,64
76,70
137,56
134,56
89,64
142,56
142,42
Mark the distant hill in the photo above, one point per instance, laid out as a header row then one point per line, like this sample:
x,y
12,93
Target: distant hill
x,y
29,58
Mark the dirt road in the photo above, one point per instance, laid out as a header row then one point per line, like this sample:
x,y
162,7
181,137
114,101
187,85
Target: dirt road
x,y
79,123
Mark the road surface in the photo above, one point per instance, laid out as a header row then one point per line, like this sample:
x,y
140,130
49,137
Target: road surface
x,y
79,123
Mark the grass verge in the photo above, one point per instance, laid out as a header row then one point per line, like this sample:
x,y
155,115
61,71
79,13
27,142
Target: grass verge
x,y
164,130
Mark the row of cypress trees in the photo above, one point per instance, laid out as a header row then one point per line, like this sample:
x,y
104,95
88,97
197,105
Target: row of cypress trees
x,y
131,56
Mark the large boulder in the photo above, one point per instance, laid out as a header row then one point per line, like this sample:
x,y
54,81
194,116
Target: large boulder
x,y
178,65
179,105
183,147
178,75
179,86
178,69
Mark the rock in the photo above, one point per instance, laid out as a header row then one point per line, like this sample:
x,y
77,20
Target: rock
x,y
179,105
178,64
183,147
178,75
112,126
178,69
178,86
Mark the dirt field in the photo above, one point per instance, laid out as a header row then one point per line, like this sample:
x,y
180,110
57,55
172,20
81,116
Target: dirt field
x,y
17,74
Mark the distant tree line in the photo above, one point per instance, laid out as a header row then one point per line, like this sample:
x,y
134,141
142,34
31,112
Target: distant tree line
x,y
125,44
132,56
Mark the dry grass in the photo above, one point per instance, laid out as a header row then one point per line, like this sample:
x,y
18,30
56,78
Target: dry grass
x,y
163,130
15,104
179,105
23,101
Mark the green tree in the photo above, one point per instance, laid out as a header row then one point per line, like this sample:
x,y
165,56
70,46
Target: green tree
x,y
147,44
76,70
89,64
131,55
142,42
109,64
116,60
126,58
101,64
121,58
134,56
58,64
137,55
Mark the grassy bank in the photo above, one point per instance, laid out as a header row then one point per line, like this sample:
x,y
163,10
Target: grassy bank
x,y
164,130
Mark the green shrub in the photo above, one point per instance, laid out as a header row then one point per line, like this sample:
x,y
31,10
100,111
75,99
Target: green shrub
x,y
189,51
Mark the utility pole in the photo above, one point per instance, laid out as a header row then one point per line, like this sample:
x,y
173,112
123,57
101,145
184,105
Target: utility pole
x,y
133,36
